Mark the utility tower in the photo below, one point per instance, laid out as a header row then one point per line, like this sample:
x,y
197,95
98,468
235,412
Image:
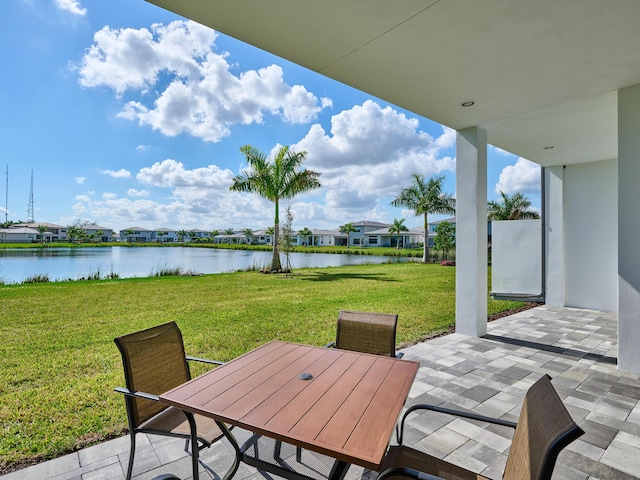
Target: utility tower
x,y
30,218
6,199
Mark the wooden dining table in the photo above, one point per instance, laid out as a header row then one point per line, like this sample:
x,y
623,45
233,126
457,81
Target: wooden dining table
x,y
338,403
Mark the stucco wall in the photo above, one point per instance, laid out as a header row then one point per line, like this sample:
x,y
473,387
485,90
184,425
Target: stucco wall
x,y
591,235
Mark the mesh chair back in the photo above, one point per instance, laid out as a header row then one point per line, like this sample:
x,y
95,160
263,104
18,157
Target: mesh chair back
x,y
544,429
367,332
154,361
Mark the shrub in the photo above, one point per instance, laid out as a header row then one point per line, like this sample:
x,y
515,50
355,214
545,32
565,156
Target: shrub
x,y
448,263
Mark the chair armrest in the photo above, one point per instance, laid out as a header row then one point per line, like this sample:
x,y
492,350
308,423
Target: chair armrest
x,y
406,472
330,345
133,393
204,360
448,411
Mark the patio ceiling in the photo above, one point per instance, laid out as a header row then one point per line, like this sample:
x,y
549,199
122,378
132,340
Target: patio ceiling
x,y
541,72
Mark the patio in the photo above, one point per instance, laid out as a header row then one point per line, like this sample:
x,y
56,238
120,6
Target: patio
x,y
487,375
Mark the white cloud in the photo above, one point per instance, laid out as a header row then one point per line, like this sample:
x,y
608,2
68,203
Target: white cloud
x,y
523,177
143,148
72,6
132,192
203,97
170,173
80,180
122,173
368,157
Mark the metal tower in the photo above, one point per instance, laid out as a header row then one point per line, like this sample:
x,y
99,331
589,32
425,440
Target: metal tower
x,y
6,199
30,218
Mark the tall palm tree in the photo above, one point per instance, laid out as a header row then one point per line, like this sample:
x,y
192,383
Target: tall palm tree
x,y
514,207
274,180
305,233
425,198
398,227
348,228
181,234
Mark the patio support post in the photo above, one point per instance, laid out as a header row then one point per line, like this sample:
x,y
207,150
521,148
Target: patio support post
x,y
471,232
628,229
554,235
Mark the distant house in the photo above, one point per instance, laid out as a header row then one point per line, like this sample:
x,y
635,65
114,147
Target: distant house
x,y
20,235
359,237
58,233
98,233
136,235
164,235
382,238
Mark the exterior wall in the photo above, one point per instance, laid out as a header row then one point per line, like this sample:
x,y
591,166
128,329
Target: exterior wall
x,y
628,228
591,235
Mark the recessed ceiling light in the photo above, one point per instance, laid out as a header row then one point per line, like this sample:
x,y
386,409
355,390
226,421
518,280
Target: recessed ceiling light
x,y
467,104
549,147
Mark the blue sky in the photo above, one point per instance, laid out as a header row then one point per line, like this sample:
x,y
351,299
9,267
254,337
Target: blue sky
x,y
129,115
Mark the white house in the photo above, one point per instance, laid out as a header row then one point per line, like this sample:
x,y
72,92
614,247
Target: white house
x,y
557,83
58,233
21,235
136,235
382,238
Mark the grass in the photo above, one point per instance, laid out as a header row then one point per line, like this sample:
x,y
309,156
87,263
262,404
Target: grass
x,y
59,365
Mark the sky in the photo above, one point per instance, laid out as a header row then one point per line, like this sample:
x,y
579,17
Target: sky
x,y
125,115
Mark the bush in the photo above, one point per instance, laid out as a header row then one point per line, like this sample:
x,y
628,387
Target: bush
x,y
448,263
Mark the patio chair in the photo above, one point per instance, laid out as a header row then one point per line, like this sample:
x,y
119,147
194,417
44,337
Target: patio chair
x,y
544,428
367,332
154,361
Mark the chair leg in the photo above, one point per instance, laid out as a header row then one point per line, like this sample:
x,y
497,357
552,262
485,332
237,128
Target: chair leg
x,y
131,455
194,446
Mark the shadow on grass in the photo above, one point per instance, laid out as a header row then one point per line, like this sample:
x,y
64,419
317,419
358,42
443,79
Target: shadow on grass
x,y
332,277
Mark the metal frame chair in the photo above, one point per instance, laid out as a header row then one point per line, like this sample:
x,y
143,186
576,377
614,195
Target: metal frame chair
x,y
154,361
544,428
367,332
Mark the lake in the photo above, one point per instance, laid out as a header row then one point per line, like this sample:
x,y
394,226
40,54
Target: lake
x,y
60,264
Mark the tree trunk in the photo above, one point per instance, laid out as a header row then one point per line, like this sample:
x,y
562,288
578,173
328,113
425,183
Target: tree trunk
x,y
425,250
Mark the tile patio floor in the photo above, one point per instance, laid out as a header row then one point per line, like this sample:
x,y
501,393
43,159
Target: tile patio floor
x,y
487,375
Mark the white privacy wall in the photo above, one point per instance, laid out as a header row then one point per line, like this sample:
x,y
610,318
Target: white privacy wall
x,y
516,257
591,235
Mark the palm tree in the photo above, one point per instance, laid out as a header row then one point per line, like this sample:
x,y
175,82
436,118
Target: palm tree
x,y
248,233
270,231
181,234
42,229
514,207
127,234
305,233
425,198
274,180
398,227
348,228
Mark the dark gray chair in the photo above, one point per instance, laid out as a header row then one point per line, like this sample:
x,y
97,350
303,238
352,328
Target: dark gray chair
x,y
367,332
543,429
154,362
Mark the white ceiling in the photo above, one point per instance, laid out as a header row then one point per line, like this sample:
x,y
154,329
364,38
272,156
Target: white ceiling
x,y
541,72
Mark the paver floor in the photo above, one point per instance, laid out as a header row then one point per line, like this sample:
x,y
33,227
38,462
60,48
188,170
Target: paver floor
x,y
489,375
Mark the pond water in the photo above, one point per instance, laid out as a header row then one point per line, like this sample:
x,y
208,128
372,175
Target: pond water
x,y
59,264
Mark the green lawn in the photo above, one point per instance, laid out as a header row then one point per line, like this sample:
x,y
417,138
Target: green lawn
x,y
59,363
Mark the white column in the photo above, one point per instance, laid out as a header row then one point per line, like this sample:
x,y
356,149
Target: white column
x,y
629,229
554,236
471,232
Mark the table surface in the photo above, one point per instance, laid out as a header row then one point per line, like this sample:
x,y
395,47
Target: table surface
x,y
348,410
